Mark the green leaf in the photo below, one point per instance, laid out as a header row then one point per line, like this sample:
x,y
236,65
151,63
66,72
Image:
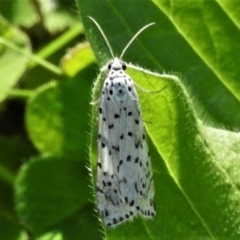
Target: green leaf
x,y
55,15
77,59
19,12
10,230
9,59
210,30
195,166
56,116
55,189
81,223
58,14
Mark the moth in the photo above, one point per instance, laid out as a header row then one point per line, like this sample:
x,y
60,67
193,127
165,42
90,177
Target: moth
x,y
124,186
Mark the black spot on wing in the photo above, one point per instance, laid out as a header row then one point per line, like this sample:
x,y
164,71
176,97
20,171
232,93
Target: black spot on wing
x,y
130,134
131,203
120,163
99,165
116,148
106,213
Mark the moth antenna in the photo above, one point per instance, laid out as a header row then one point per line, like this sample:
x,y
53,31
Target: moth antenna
x,y
104,36
134,37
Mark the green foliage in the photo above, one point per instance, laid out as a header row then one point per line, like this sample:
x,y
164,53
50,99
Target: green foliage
x,y
46,126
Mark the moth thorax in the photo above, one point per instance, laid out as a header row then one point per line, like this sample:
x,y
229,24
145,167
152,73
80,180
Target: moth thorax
x,y
119,91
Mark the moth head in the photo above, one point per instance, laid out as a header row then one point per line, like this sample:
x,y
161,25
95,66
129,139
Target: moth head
x,y
116,64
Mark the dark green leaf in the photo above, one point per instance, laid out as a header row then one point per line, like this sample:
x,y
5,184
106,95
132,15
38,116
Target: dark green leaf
x,y
50,190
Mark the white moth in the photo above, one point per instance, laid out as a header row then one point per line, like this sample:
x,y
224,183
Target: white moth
x,y
124,187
